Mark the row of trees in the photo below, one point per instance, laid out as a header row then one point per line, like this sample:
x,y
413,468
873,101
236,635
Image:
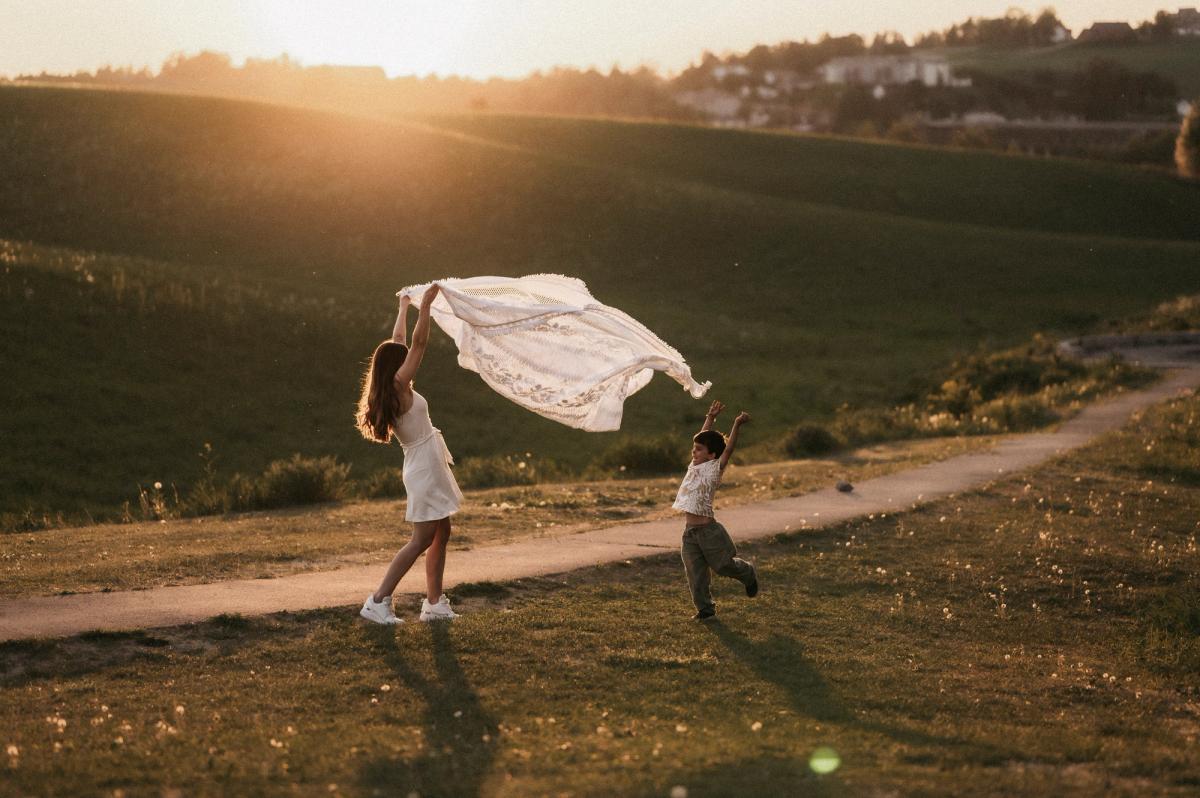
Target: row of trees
x,y
1014,29
638,93
1018,29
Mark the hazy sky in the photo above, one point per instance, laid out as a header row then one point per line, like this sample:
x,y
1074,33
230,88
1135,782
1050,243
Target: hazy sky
x,y
467,37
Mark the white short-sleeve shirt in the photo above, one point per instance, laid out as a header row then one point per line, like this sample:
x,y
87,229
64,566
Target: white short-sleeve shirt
x,y
696,491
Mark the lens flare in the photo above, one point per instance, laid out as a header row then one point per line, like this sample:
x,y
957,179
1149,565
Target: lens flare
x,y
824,760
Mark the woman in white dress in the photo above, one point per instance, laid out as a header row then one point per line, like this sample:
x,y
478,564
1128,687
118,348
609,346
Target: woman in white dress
x,y
389,406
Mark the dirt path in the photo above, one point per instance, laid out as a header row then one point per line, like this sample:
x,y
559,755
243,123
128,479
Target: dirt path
x,y
55,616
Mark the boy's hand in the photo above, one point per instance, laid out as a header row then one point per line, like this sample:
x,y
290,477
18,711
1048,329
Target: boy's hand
x,y
742,418
715,409
405,300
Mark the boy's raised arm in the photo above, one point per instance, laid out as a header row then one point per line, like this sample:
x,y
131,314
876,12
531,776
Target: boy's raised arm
x,y
742,418
714,410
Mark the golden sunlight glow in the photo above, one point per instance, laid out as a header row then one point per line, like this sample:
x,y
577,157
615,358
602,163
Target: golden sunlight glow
x,y
394,36
476,38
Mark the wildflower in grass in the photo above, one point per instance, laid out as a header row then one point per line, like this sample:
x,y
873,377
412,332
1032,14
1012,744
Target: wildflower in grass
x,y
756,726
679,791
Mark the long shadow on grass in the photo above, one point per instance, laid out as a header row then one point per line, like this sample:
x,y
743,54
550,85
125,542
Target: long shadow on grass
x,y
781,660
456,759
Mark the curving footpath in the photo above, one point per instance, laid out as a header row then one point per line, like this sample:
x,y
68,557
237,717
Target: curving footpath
x,y
56,616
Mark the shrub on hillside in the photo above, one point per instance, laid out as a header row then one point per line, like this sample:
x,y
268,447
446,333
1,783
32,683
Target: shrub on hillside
x,y
387,483
973,138
302,480
1181,313
1011,391
502,470
30,520
809,440
1021,371
643,457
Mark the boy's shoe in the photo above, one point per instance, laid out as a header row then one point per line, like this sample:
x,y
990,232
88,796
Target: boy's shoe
x,y
437,612
752,588
379,612
704,615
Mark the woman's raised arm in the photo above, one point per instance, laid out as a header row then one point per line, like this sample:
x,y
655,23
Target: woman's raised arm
x,y
400,331
420,339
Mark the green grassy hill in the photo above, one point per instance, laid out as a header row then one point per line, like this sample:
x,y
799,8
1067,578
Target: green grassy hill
x,y
1027,194
1178,60
796,273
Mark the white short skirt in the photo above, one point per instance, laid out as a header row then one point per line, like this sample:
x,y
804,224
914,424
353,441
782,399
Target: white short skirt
x,y
432,490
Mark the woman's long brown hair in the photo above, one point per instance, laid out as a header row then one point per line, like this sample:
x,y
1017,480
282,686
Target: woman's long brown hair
x,y
379,404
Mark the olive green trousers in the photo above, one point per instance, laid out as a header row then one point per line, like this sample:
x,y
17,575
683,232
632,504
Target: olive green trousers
x,y
708,548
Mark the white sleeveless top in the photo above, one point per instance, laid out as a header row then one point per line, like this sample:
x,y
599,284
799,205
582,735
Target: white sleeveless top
x,y
696,491
414,426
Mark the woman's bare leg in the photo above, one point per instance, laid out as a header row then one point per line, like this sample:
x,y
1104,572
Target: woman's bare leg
x,y
435,561
424,533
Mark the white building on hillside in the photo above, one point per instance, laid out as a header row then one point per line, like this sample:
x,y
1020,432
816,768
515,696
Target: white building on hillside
x,y
713,103
890,70
722,71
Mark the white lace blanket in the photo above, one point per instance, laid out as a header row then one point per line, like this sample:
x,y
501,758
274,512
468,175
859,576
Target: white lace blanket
x,y
545,343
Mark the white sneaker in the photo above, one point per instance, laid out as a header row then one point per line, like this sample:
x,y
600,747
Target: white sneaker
x,y
437,612
379,612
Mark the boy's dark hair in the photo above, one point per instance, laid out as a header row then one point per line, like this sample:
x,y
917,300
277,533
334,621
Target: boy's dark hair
x,y
712,440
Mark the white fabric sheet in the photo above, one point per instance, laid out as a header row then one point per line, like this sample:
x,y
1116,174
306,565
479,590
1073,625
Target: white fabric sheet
x,y
545,343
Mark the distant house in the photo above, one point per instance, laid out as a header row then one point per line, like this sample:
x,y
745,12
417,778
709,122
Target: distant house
x,y
889,70
787,80
1187,22
1060,35
722,71
1108,32
713,103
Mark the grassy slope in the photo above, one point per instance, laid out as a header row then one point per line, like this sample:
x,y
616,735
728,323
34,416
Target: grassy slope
x,y
1032,638
1027,194
794,301
1178,60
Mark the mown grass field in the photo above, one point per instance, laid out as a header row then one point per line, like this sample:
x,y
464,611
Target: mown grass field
x,y
1178,60
1038,636
798,274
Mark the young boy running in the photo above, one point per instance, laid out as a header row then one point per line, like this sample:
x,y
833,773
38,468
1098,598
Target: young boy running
x,y
706,544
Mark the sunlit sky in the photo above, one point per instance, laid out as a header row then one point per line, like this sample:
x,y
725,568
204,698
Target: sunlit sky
x,y
476,38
